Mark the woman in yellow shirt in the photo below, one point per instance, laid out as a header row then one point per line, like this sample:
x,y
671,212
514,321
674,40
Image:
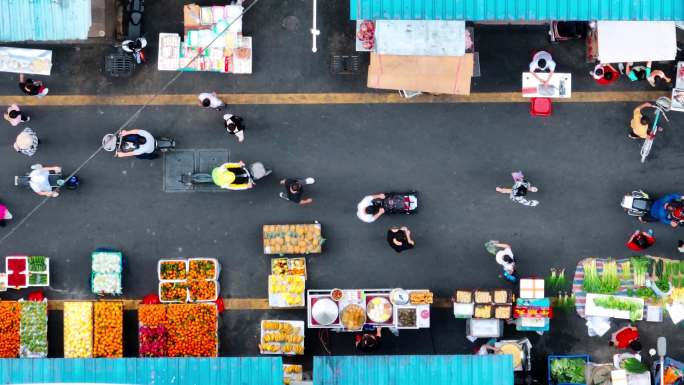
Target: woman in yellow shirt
x,y
639,123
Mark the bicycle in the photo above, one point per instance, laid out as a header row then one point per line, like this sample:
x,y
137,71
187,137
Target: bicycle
x,y
662,105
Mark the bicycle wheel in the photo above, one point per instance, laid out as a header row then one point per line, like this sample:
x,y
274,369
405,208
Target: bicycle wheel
x,y
646,149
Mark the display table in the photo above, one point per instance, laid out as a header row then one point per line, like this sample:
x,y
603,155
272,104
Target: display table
x,y
292,239
25,60
560,85
483,304
394,308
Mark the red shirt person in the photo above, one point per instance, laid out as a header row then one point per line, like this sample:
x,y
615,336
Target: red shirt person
x,y
640,240
626,337
605,74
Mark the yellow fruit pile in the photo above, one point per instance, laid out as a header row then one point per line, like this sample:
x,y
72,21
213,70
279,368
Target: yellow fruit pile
x,y
290,287
78,329
292,239
281,337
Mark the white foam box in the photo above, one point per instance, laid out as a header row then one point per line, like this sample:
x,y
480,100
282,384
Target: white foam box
x,y
531,288
618,377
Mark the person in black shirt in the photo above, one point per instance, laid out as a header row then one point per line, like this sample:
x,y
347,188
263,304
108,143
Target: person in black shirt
x,y
368,342
31,87
400,239
294,189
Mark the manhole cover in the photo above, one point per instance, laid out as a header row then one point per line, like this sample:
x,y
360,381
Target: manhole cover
x,y
290,23
344,64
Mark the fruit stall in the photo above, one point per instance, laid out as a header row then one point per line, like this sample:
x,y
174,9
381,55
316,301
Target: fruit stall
x,y
188,280
282,337
286,283
78,329
636,288
93,329
106,266
178,330
293,239
25,271
349,310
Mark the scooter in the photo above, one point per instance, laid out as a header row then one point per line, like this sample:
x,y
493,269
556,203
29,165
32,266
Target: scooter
x,y
121,63
255,171
114,143
637,203
57,181
399,203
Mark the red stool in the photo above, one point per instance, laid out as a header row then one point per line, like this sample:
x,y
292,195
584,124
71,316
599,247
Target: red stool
x,y
540,107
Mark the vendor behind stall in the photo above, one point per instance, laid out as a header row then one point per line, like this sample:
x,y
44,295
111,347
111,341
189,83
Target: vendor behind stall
x,y
368,342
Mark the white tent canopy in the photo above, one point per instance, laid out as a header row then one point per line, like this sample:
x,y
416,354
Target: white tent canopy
x,y
636,41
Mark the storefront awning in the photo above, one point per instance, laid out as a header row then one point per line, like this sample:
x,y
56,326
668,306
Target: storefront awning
x,y
177,371
636,41
413,370
44,20
517,10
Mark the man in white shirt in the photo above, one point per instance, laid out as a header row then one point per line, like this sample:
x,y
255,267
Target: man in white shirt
x,y
542,62
210,100
144,141
40,180
367,210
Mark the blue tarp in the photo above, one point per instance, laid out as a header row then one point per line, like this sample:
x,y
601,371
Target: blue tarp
x,y
44,20
517,10
413,370
145,371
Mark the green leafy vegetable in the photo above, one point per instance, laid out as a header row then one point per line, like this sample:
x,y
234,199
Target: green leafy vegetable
x,y
636,310
33,329
633,365
568,371
607,282
642,292
37,264
640,269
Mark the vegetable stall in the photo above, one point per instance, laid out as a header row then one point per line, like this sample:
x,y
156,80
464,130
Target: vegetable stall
x,y
25,271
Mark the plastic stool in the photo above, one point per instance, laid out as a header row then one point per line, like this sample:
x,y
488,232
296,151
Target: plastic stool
x,y
540,107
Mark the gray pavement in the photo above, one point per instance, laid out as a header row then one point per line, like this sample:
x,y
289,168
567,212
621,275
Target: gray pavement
x,y
455,155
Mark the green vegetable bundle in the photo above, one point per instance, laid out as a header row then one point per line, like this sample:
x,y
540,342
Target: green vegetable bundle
x,y
37,264
568,371
33,329
607,282
635,310
632,365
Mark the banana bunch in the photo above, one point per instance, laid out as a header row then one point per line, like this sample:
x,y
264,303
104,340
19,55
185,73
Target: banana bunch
x,y
272,348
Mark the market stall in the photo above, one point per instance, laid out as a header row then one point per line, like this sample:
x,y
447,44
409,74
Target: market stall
x,y
633,41
178,330
287,282
637,288
210,42
25,60
108,329
78,329
25,271
293,239
484,310
33,327
532,310
188,280
282,337
106,267
349,310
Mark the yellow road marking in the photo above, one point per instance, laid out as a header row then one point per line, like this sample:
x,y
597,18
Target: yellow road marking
x,y
320,99
230,303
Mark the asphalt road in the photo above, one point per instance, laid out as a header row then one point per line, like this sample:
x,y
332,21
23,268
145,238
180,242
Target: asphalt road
x,y
454,154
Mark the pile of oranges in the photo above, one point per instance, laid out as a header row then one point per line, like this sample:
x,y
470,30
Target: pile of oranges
x,y
108,329
152,315
192,330
10,316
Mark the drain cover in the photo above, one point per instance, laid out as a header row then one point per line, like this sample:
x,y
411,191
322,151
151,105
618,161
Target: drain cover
x,y
344,64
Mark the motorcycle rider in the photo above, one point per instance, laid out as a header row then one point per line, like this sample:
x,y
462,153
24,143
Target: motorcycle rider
x,y
667,210
232,176
40,180
135,48
143,144
370,208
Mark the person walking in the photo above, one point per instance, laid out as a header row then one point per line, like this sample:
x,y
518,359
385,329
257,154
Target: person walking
x,y
639,124
210,100
640,240
504,257
399,238
26,142
294,189
235,126
32,87
519,190
14,115
5,215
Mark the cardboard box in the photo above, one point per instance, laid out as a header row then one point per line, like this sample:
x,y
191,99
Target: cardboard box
x,y
531,288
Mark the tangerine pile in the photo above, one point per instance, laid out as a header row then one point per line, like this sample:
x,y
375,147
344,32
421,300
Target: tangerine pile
x,y
192,330
10,317
202,290
152,315
108,329
173,270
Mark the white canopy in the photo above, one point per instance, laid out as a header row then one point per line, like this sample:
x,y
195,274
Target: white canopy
x,y
420,37
636,41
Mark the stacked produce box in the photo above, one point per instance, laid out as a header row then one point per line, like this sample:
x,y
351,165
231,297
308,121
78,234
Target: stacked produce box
x,y
178,330
33,329
108,331
152,331
282,337
16,269
106,275
38,271
193,280
287,282
292,239
78,329
483,304
10,315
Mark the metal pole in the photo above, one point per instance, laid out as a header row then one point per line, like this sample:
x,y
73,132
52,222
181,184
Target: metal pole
x,y
314,31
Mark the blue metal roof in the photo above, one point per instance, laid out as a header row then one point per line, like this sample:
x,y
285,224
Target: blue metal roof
x,y
413,370
147,371
475,10
43,20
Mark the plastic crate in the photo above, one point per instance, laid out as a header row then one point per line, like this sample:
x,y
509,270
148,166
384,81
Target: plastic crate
x,y
585,357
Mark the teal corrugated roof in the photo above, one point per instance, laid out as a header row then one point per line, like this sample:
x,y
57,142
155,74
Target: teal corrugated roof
x,y
43,20
475,10
413,370
145,371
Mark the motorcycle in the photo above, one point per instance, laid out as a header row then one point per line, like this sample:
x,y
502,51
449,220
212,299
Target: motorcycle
x,y
57,181
121,62
668,209
399,203
637,204
255,172
114,143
